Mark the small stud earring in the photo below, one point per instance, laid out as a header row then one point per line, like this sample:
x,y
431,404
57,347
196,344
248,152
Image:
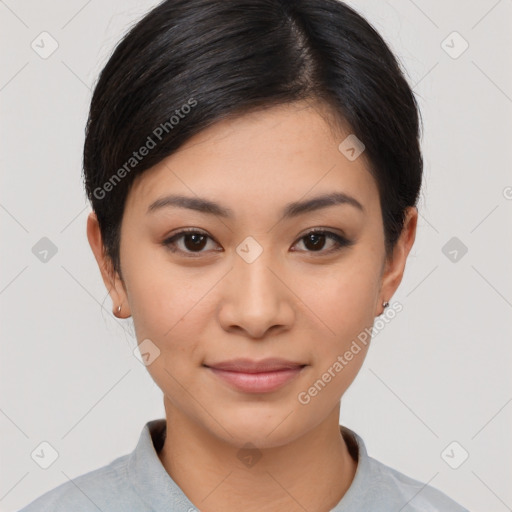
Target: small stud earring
x,y
118,310
385,304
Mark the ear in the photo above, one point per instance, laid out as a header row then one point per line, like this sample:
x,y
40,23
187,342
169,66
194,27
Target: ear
x,y
394,266
112,280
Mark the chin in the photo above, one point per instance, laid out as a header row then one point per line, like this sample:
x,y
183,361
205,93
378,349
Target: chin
x,y
268,427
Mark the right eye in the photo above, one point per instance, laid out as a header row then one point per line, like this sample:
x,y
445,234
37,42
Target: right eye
x,y
192,243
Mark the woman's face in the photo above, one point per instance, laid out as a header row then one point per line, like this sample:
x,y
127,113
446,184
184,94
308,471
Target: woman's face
x,y
253,283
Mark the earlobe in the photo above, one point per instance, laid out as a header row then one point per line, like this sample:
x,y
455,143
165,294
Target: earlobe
x,y
395,265
111,279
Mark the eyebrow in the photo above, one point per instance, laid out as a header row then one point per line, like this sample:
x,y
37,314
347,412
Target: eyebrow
x,y
290,210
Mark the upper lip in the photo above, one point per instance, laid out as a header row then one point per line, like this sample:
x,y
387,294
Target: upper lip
x,y
252,366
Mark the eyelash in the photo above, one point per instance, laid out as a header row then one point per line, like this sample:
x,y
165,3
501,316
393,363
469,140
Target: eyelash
x,y
341,242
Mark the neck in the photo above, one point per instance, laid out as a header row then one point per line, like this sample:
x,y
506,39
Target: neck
x,y
313,472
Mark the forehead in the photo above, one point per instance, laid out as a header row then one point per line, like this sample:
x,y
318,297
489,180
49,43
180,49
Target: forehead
x,y
260,160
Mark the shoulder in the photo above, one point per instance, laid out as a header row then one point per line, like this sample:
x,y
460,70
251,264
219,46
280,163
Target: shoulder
x,y
413,495
381,488
105,488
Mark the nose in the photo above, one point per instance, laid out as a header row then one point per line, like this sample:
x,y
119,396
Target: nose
x,y
256,298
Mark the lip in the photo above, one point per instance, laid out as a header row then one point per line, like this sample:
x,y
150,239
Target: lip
x,y
251,376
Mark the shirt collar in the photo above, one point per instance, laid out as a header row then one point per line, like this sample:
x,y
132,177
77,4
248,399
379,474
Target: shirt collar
x,y
148,476
361,482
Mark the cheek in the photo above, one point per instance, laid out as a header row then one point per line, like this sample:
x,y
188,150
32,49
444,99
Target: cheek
x,y
343,299
345,307
162,300
165,309
158,291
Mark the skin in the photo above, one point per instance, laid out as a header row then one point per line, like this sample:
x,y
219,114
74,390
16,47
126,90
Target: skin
x,y
291,302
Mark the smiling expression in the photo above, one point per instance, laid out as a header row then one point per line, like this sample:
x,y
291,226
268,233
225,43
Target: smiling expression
x,y
252,258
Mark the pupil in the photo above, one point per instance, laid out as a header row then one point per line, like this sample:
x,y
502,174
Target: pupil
x,y
316,239
197,241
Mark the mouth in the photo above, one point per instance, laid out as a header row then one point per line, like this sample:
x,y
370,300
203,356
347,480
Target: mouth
x,y
251,376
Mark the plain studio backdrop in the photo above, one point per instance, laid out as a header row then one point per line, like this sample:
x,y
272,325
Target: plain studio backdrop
x,y
434,397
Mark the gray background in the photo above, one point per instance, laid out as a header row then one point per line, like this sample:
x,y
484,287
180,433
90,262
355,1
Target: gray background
x,y
438,373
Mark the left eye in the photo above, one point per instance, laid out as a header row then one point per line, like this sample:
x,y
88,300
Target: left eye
x,y
194,241
315,240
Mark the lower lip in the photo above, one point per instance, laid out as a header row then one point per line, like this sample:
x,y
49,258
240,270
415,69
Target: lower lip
x,y
258,382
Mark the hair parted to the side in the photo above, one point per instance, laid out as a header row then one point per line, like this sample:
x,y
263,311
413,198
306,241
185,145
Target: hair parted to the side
x,y
188,64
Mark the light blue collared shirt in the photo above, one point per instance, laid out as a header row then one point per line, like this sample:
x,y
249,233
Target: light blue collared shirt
x,y
138,482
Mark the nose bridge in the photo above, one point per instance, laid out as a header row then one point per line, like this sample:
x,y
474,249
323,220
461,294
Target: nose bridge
x,y
254,298
252,270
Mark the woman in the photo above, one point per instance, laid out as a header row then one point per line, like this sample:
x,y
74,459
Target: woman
x,y
254,168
